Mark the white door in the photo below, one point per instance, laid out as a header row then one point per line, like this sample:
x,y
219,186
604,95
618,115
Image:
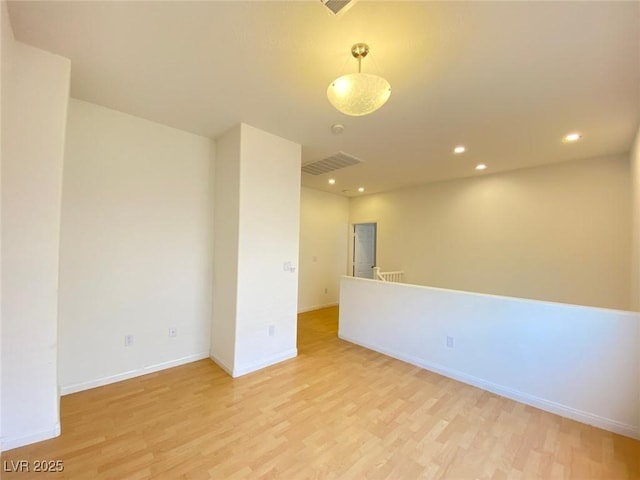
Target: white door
x,y
364,249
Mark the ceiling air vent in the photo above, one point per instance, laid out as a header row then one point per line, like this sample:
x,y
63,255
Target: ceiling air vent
x,y
329,164
335,5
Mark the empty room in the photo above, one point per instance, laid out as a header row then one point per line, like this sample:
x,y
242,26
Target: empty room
x,y
320,239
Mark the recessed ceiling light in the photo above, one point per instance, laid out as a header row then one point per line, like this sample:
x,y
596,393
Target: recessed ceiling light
x,y
361,189
332,181
572,137
459,149
481,166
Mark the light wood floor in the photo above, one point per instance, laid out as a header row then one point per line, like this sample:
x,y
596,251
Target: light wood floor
x,y
337,411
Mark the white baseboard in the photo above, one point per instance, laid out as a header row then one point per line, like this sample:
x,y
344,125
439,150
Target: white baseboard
x,y
317,307
238,372
519,396
9,443
99,382
277,358
221,364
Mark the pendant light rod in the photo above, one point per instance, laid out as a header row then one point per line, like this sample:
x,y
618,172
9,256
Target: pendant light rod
x,y
359,51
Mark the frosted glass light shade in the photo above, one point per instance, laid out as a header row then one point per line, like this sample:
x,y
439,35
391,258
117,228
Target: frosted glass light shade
x,y
358,93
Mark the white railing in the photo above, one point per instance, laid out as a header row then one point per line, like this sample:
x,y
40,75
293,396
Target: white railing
x,y
395,277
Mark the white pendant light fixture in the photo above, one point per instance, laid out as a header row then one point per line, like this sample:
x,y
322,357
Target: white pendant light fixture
x,y
359,93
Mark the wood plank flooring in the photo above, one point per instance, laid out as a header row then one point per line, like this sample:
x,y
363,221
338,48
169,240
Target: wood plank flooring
x,y
337,411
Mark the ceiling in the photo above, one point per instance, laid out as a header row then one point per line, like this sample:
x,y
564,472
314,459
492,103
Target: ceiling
x,y
507,79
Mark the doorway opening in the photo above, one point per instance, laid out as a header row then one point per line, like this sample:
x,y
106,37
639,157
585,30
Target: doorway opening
x,y
364,249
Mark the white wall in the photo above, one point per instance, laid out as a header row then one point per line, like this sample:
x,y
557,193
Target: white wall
x,y
579,362
136,247
6,44
558,233
35,90
324,224
258,179
635,235
635,230
227,219
269,236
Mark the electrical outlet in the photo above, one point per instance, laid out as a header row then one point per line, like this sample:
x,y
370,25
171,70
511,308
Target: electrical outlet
x,y
326,290
272,330
128,340
449,342
173,332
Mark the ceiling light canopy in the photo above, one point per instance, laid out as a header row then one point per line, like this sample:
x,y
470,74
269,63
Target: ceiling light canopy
x,y
359,93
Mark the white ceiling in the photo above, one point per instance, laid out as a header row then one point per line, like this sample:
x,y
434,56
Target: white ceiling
x,y
506,79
